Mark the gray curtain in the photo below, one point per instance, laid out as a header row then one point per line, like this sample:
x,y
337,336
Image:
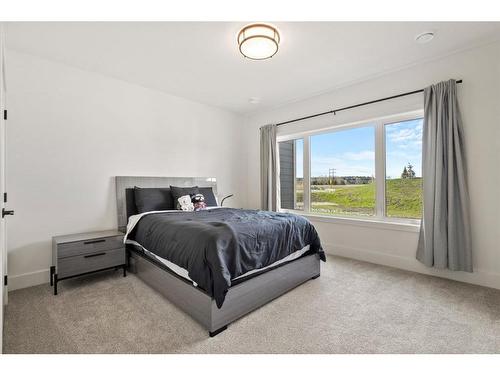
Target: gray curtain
x,y
445,240
269,169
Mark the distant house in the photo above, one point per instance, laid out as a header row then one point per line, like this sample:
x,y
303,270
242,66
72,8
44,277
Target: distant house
x,y
357,180
342,180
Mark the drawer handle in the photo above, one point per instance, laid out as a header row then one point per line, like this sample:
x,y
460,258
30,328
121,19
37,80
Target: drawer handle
x,y
94,255
93,241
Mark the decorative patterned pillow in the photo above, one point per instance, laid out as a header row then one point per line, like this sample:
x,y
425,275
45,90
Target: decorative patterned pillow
x,y
209,195
198,201
184,203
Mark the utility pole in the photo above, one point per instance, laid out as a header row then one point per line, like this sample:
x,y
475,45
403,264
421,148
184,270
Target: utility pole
x,y
331,175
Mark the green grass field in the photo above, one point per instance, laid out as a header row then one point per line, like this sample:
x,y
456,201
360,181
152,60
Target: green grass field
x,y
403,196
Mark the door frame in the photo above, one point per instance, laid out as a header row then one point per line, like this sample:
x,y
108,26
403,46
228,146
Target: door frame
x,y
3,240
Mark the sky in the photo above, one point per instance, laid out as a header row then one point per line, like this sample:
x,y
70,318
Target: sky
x,y
403,145
352,151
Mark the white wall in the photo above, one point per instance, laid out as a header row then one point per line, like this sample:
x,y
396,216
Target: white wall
x,y
70,131
479,99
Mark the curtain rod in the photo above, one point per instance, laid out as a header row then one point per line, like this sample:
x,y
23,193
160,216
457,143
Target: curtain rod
x,y
334,111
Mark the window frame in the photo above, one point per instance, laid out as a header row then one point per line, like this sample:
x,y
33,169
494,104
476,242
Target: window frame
x,y
379,125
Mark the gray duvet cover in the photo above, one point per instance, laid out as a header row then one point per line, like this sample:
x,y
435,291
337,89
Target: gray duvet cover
x,y
218,245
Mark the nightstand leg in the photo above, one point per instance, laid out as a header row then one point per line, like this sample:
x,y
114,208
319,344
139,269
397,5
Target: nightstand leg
x,y
55,284
52,271
124,270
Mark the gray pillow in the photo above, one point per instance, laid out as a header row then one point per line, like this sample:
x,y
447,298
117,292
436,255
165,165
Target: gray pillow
x,y
178,192
153,199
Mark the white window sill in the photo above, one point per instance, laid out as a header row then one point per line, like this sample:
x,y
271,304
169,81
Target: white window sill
x,y
406,225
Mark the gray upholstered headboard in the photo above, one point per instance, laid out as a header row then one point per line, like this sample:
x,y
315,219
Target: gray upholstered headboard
x,y
128,182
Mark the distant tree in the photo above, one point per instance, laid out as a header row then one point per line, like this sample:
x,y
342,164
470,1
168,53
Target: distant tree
x,y
410,171
405,173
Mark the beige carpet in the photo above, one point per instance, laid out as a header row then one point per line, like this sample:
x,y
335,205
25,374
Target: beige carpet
x,y
354,307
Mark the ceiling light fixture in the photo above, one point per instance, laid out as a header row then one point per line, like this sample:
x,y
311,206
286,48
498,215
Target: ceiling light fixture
x,y
258,41
424,37
254,100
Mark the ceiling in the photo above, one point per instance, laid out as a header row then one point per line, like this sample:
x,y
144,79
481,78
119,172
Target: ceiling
x,y
200,60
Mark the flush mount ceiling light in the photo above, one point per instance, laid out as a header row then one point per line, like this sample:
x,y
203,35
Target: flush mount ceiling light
x,y
258,41
424,37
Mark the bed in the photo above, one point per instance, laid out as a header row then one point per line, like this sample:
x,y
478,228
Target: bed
x,y
217,264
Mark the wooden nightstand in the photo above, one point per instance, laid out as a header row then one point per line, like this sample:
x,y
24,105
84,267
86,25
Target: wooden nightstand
x,y
79,254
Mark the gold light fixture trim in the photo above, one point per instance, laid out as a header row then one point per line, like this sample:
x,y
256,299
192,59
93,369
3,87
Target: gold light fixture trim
x,y
258,41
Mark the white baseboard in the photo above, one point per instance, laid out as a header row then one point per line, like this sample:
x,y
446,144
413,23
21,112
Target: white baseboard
x,y
26,280
478,277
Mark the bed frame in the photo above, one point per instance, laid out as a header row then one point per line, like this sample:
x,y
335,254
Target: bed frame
x,y
240,299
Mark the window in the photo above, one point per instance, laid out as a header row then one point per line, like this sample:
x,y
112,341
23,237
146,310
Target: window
x,y
403,169
334,172
291,154
342,172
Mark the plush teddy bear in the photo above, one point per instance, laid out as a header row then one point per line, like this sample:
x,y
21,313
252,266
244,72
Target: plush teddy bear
x,y
185,204
198,201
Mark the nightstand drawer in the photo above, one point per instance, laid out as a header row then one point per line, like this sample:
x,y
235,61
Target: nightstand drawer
x,y
70,249
90,262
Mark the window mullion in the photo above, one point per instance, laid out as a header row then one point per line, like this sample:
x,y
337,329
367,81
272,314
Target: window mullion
x,y
380,169
307,174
